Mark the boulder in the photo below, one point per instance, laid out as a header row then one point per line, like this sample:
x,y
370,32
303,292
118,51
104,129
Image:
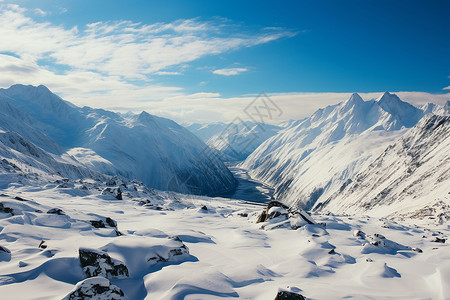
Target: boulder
x,y
114,191
56,211
95,288
286,295
179,249
5,209
99,263
284,215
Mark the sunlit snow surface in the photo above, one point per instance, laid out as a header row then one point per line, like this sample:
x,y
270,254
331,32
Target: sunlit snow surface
x,y
229,254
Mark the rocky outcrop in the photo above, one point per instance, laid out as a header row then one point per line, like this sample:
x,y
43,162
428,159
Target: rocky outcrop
x,y
178,250
95,288
286,295
99,263
278,214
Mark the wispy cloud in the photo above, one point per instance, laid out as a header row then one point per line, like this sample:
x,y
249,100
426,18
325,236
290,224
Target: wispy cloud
x,y
122,48
448,87
39,12
104,63
230,71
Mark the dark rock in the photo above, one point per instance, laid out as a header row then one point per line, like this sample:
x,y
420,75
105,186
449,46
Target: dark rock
x,y
4,249
42,245
101,224
119,194
439,240
417,250
380,236
95,288
359,233
332,251
204,207
5,209
267,214
56,211
275,203
286,295
111,222
244,215
262,217
99,263
178,250
116,192
19,198
98,223
272,214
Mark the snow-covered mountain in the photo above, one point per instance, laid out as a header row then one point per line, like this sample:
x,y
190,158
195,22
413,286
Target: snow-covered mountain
x,y
235,140
238,140
311,161
205,131
432,108
155,150
409,175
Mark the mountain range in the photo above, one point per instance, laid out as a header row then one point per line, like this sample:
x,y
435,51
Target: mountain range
x,y
40,129
312,162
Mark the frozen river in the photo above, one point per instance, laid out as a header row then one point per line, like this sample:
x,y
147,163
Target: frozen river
x,y
249,189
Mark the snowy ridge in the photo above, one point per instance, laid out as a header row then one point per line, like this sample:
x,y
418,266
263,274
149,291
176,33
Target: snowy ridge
x,y
311,161
154,150
235,140
238,140
409,175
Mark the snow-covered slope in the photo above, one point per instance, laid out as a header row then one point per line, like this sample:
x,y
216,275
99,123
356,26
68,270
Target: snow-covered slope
x,y
80,242
155,150
20,160
312,160
408,176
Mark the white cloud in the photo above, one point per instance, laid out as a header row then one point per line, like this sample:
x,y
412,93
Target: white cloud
x,y
101,61
111,92
39,12
168,73
122,48
229,71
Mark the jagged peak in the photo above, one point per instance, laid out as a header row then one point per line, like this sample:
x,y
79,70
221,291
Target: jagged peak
x,y
355,98
388,97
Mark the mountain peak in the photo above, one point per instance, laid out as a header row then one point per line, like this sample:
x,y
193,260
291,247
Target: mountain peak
x,y
354,100
388,97
355,97
447,107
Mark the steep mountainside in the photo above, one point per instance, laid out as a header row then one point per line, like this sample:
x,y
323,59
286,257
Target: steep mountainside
x,y
412,173
312,160
155,150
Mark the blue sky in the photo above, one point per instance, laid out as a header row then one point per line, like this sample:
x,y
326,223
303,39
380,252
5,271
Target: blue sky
x,y
136,54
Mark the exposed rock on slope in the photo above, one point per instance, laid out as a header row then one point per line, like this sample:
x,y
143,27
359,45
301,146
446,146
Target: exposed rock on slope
x,y
409,175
